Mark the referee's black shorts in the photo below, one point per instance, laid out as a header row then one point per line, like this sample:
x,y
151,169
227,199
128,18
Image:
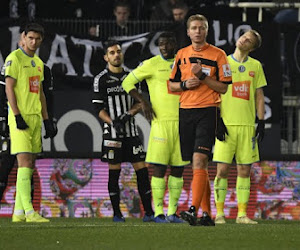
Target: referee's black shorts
x,y
197,129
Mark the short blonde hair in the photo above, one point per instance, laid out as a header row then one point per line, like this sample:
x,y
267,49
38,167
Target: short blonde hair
x,y
258,39
197,17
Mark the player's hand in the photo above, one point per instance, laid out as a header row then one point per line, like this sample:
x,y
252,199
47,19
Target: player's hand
x,y
148,111
124,117
21,124
119,127
193,83
50,127
221,130
197,68
3,127
260,130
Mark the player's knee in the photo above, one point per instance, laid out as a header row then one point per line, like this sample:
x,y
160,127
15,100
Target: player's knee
x,y
159,171
244,171
177,171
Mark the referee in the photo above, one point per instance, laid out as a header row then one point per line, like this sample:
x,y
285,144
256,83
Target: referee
x,y
120,134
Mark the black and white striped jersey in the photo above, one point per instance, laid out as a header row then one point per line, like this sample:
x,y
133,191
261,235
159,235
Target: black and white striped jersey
x,y
110,96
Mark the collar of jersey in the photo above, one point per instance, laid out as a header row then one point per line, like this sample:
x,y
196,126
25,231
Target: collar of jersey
x,y
237,60
168,60
25,52
202,48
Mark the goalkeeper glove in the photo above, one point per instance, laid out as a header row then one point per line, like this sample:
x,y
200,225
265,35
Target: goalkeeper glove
x,y
21,124
50,127
260,130
124,117
3,127
119,127
221,128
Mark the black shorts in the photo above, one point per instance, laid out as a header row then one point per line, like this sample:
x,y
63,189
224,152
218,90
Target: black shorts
x,y
197,129
129,149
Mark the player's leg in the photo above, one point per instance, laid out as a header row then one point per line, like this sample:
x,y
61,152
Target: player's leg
x,y
112,151
220,191
175,181
223,154
7,163
144,189
247,153
158,187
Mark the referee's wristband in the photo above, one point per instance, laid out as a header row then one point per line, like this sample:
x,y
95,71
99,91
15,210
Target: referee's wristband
x,y
202,77
183,86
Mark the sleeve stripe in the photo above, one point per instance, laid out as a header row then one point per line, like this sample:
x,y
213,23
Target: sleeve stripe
x,y
3,83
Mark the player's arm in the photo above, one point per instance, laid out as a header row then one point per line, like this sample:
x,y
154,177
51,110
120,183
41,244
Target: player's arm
x,y
50,126
260,109
128,85
10,93
189,84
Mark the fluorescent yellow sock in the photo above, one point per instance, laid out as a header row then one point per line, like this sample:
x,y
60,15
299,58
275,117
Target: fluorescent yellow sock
x,y
24,187
158,186
220,191
175,185
243,194
18,210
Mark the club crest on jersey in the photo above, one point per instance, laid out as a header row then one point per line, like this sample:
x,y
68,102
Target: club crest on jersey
x,y
33,63
242,68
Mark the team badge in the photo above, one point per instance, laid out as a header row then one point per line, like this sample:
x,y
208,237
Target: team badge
x,y
32,63
242,68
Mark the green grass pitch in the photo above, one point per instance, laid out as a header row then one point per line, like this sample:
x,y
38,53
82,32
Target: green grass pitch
x,y
95,233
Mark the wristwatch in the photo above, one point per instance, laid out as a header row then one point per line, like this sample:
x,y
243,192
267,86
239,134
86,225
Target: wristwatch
x,y
202,77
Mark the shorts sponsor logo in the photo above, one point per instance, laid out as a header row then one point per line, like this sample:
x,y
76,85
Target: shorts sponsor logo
x,y
159,139
251,73
204,148
226,70
111,154
34,84
241,90
112,144
136,150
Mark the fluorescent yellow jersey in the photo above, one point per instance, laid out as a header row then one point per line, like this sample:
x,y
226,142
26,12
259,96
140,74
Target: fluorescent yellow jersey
x,y
238,104
156,72
29,74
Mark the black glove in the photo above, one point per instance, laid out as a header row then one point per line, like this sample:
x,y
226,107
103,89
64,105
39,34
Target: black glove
x,y
260,130
50,127
221,130
119,127
3,127
21,124
124,117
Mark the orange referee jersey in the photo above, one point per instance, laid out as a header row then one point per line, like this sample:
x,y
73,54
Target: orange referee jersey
x,y
214,64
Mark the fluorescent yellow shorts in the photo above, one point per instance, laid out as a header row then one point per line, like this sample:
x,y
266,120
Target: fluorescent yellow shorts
x,y
28,140
241,143
164,144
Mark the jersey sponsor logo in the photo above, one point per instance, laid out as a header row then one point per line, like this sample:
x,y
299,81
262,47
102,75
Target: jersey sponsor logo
x,y
242,68
8,63
34,84
136,150
116,89
112,144
241,90
26,67
251,73
226,70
